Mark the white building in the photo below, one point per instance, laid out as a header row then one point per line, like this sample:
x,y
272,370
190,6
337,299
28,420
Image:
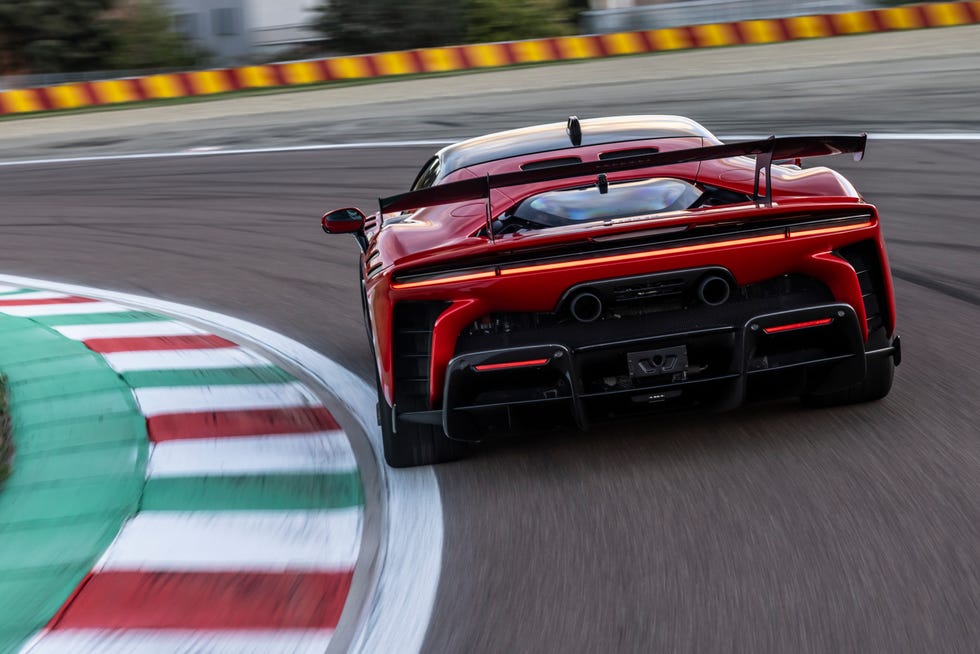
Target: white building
x,y
625,15
236,31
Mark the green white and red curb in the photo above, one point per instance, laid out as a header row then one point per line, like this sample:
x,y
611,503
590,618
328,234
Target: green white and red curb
x,y
248,523
239,519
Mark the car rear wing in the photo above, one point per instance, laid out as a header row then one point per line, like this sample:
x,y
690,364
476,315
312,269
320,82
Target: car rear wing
x,y
765,152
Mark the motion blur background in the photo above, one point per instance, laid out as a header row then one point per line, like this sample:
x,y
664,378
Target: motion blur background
x,y
46,42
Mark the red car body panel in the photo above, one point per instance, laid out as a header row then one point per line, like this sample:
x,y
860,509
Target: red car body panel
x,y
449,233
562,275
540,291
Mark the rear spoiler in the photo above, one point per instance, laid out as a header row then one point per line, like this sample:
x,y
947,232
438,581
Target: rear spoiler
x,y
765,152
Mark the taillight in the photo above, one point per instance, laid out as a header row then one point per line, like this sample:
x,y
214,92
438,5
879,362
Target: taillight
x,y
530,363
798,325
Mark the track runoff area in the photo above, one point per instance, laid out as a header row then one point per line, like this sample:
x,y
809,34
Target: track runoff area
x,y
177,489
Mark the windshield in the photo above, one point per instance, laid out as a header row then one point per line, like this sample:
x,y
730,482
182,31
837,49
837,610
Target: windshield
x,y
580,205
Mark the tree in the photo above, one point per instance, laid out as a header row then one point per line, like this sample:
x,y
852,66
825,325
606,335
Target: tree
x,y
513,20
379,25
145,39
48,36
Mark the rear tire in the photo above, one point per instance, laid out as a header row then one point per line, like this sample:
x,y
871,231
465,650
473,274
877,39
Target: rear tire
x,y
876,385
414,444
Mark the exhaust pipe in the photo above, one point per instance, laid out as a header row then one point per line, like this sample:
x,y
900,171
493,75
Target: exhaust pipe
x,y
586,307
714,290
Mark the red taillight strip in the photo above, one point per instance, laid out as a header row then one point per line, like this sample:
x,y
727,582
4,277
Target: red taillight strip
x,y
798,325
616,258
829,230
510,364
447,280
633,256
596,260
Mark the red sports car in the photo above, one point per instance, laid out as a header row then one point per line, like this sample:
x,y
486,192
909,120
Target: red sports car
x,y
571,273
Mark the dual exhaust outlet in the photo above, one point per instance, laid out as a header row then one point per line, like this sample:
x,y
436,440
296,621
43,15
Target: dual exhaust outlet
x,y
712,290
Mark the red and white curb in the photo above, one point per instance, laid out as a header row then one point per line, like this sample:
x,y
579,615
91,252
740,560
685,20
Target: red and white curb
x,y
235,580
163,563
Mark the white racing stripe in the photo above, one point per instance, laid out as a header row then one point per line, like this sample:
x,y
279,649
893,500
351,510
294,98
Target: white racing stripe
x,y
267,541
5,288
319,452
73,308
224,357
193,399
89,641
128,330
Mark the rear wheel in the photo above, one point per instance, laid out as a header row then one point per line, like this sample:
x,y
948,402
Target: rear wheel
x,y
413,444
876,385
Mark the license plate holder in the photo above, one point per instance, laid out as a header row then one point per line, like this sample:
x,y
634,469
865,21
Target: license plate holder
x,y
663,361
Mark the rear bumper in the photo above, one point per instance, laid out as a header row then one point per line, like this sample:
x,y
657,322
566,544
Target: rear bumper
x,y
813,349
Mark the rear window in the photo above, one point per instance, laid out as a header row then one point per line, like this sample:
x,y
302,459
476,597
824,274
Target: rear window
x,y
428,175
581,205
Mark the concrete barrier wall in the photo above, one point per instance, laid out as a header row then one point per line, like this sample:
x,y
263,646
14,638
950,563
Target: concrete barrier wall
x,y
487,55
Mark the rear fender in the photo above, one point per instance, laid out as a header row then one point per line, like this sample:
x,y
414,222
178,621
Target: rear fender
x,y
886,276
447,327
842,281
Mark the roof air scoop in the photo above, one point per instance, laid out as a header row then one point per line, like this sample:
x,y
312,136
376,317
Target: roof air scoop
x,y
574,130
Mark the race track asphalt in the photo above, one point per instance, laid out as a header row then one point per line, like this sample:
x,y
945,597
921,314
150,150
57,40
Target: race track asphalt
x,y
770,529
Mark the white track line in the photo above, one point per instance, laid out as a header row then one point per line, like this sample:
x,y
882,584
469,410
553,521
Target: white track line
x,y
222,357
318,452
77,641
35,295
913,136
74,308
211,153
268,541
128,330
410,556
193,399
